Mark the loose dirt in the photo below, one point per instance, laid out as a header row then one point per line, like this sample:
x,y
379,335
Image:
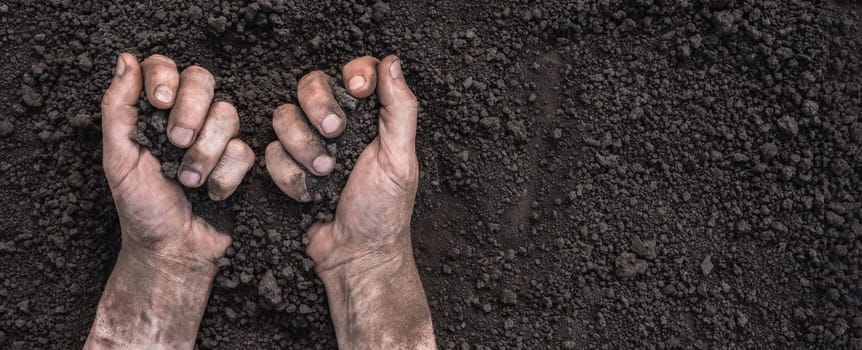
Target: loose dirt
x,y
594,174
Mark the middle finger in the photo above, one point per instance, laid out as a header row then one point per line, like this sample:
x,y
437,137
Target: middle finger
x,y
318,103
193,100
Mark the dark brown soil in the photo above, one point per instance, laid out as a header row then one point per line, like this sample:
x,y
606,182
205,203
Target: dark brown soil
x,y
595,174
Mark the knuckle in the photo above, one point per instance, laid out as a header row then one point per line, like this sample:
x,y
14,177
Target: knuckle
x,y
194,100
158,58
198,157
390,58
307,142
239,152
158,61
319,96
198,73
405,174
107,101
217,183
247,154
410,101
225,107
364,63
284,111
305,80
315,81
408,105
312,77
191,161
293,181
272,149
225,113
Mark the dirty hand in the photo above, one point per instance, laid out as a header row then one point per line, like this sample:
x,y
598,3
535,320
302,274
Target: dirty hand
x,y
364,256
159,286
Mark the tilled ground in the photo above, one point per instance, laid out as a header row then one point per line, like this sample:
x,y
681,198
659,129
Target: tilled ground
x,y
595,174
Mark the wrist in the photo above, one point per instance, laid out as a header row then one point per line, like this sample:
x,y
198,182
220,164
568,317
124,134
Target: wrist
x,y
338,254
151,301
192,245
390,269
377,301
165,269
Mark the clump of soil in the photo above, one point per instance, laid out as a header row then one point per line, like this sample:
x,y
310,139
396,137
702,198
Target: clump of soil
x,y
151,133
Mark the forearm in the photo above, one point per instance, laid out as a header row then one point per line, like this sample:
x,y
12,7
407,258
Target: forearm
x,y
151,302
380,308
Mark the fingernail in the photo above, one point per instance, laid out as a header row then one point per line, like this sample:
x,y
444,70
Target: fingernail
x,y
189,178
214,197
323,164
331,123
163,94
182,136
356,83
395,69
121,66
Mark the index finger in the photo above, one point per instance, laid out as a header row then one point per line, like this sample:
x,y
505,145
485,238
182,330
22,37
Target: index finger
x,y
161,80
360,76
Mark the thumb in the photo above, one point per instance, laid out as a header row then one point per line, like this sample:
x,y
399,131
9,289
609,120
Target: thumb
x,y
119,119
399,108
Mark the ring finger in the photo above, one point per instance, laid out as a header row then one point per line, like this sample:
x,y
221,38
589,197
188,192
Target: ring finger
x,y
318,103
292,129
231,168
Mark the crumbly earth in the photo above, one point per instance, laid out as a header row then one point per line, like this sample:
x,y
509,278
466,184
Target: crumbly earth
x,y
151,134
595,174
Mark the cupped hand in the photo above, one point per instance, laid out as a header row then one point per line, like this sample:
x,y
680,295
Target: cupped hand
x,y
364,256
154,214
372,220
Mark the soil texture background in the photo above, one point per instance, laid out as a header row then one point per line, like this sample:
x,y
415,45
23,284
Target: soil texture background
x,y
641,174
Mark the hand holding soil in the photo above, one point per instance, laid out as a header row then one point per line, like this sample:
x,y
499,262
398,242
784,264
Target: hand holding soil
x,y
364,257
161,281
160,284
593,174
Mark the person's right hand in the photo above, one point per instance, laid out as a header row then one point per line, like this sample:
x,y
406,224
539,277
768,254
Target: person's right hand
x,y
364,256
159,287
154,213
372,221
